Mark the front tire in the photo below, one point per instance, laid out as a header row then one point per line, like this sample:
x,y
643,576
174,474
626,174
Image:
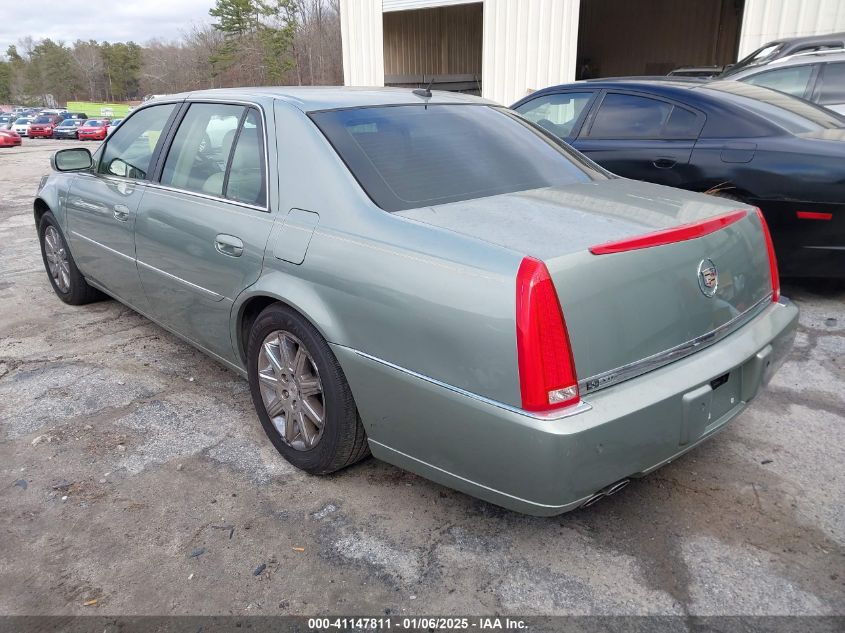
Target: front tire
x,y
68,283
301,395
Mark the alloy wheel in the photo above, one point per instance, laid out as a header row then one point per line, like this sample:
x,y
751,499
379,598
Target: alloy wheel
x,y
291,390
57,261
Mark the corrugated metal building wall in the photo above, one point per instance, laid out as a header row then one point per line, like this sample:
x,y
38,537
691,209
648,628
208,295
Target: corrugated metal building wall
x,y
363,42
442,41
767,20
403,5
530,44
527,44
652,37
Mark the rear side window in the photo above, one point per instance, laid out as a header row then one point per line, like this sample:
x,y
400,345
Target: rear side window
x,y
683,124
219,150
833,84
792,80
200,150
630,116
412,156
129,151
556,113
245,181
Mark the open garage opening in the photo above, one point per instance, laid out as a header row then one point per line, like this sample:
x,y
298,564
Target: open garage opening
x,y
653,37
441,45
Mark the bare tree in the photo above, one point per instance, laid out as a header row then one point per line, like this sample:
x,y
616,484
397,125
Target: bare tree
x,y
283,41
89,61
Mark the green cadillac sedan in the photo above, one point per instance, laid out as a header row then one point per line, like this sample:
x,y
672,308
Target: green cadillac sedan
x,y
427,277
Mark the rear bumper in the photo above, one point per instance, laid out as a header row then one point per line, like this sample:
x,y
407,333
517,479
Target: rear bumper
x,y
549,466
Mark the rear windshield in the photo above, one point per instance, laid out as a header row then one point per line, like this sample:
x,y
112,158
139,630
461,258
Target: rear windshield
x,y
416,155
790,113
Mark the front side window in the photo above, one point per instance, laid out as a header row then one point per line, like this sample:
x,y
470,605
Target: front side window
x,y
412,156
129,151
630,116
200,150
556,113
792,80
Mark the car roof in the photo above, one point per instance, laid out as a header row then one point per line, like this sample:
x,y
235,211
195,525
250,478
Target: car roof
x,y
662,85
827,55
314,98
807,39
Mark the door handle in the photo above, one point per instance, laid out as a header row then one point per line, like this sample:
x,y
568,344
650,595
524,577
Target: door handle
x,y
229,245
120,212
664,163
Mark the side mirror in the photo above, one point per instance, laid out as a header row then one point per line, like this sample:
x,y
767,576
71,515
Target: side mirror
x,y
72,159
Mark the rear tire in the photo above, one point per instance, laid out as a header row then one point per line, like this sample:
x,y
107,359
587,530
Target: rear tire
x,y
68,283
280,385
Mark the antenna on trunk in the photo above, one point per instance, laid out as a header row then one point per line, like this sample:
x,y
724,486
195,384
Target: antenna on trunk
x,y
425,92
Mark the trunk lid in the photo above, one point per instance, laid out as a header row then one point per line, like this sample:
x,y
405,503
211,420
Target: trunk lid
x,y
631,311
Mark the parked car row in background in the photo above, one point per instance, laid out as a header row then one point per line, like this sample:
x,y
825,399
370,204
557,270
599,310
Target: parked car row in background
x,y
58,125
37,124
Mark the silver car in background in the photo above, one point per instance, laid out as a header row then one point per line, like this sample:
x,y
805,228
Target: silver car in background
x,y
817,76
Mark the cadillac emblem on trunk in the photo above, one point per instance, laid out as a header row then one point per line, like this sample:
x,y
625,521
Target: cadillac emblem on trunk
x,y
708,277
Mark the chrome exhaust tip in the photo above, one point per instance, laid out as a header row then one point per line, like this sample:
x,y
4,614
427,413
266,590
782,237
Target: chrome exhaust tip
x,y
612,489
592,500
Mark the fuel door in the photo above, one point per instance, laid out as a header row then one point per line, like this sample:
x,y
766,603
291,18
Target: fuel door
x,y
291,236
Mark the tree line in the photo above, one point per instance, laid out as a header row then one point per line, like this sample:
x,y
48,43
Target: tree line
x,y
249,42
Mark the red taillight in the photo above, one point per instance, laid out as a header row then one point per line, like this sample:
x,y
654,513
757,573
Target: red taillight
x,y
773,262
813,215
670,236
547,377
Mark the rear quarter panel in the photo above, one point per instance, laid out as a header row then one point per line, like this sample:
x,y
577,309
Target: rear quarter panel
x,y
422,298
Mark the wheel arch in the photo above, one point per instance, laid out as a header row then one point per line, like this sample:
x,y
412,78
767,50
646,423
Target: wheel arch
x,y
298,296
39,208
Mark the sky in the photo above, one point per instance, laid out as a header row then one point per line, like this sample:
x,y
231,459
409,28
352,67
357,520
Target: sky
x,y
69,20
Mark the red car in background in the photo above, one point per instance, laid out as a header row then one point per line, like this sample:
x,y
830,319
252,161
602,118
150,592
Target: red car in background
x,y
8,138
94,130
42,127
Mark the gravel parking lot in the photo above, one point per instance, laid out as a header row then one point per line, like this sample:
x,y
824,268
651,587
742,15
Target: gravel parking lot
x,y
135,479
